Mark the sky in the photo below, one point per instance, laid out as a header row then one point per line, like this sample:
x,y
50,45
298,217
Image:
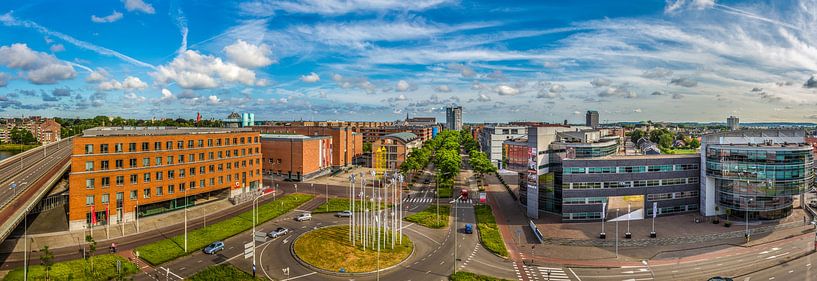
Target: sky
x,y
679,60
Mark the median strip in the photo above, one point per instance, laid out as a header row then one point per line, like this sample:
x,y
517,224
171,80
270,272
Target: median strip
x,y
488,230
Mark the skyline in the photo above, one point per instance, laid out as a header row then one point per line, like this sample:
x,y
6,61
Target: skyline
x,y
378,60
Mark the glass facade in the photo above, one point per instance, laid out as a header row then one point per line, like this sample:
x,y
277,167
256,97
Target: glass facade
x,y
600,150
759,180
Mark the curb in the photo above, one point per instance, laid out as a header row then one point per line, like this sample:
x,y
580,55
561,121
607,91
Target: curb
x,y
481,244
341,274
779,263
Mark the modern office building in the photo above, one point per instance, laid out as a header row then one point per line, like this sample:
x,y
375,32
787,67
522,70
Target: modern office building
x,y
453,118
733,123
592,119
391,150
491,138
296,157
755,171
119,173
235,120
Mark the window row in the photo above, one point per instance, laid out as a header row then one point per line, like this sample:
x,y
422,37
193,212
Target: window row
x,y
169,160
630,169
147,193
105,182
629,184
169,145
672,195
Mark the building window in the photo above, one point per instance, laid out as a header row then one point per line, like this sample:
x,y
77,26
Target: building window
x,y
201,170
192,185
190,144
212,181
201,143
181,187
133,194
209,142
179,144
118,147
89,183
170,189
103,165
157,146
170,160
181,173
132,147
145,146
105,198
191,158
158,161
159,191
169,145
181,159
133,179
146,178
103,148
106,182
120,180
89,200
192,171
146,193
119,163
210,155
89,165
171,174
159,175
218,142
145,162
89,149
201,156
132,162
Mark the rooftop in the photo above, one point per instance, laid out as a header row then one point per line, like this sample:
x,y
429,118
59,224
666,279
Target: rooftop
x,y
157,131
290,136
640,156
404,136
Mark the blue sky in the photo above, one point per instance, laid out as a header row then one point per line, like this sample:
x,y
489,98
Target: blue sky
x,y
679,60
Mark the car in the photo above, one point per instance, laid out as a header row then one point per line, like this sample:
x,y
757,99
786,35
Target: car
x,y
278,232
214,248
469,228
812,203
427,181
304,217
344,214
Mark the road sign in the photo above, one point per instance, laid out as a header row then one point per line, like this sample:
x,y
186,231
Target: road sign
x,y
483,197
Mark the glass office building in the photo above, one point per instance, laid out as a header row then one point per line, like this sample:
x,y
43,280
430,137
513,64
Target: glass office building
x,y
760,179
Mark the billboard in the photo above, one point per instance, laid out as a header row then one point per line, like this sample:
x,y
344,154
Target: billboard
x,y
532,182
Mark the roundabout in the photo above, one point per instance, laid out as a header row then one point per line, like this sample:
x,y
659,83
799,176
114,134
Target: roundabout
x,y
329,249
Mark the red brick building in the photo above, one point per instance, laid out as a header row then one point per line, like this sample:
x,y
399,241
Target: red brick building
x,y
347,145
296,157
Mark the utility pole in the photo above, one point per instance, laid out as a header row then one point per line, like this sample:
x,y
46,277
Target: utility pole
x,y
185,220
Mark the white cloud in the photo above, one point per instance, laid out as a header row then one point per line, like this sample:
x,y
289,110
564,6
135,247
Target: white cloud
x,y
213,99
403,86
337,77
133,97
139,6
637,110
166,94
265,8
97,76
312,77
505,90
4,79
129,83
192,70
483,97
115,16
57,48
443,89
41,68
557,88
248,55
601,82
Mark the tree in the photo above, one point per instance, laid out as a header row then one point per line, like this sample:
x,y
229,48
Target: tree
x,y
636,135
47,259
367,147
91,250
665,140
694,143
21,136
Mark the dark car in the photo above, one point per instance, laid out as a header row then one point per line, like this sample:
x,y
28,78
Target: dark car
x,y
214,248
469,228
427,181
718,278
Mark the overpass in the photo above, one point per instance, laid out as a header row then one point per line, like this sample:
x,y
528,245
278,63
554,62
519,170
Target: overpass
x,y
26,178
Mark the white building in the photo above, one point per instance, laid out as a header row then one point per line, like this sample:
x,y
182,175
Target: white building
x,y
491,138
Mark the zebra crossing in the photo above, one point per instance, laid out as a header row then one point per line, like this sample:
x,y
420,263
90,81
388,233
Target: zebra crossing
x,y
430,200
540,273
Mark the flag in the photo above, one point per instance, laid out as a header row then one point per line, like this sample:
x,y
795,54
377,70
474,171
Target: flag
x,y
198,117
93,216
628,212
603,211
654,209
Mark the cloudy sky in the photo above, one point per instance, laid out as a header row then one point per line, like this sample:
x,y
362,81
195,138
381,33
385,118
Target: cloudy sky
x,y
684,60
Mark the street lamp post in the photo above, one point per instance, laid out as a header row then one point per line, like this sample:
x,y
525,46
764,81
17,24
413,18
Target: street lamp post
x,y
254,223
748,201
185,220
616,233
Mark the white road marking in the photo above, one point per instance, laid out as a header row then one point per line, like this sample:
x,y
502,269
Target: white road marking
x,y
300,276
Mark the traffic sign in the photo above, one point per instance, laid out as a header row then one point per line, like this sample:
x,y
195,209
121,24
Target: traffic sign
x,y
249,250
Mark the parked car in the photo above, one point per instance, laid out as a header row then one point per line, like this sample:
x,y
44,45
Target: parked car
x,y
278,232
304,217
344,214
214,248
427,181
813,203
718,278
469,228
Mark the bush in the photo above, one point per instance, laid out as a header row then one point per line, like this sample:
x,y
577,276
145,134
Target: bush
x,y
428,217
488,230
168,249
104,269
468,276
727,224
222,272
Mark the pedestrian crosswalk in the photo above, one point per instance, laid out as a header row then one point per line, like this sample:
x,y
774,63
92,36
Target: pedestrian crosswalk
x,y
430,200
541,273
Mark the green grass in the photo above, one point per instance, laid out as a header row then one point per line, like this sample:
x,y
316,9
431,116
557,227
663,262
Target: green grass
x,y
678,151
104,269
171,248
329,248
429,218
444,192
468,276
222,272
338,204
16,147
488,230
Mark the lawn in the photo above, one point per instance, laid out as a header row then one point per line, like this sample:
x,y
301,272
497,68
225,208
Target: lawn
x,y
337,205
444,192
16,147
104,269
488,230
468,276
678,151
168,249
328,248
222,272
429,218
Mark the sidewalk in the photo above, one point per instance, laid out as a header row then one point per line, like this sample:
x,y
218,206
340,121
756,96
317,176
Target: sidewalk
x,y
101,233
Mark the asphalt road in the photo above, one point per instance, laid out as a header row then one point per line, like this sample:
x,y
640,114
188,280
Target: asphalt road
x,y
23,171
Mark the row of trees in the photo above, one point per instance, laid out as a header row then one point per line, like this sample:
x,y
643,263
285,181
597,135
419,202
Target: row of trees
x,y
21,136
477,159
665,138
75,126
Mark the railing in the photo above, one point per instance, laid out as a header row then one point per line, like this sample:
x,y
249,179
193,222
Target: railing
x,y
536,232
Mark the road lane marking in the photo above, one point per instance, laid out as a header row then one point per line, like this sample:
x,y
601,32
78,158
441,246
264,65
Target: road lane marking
x,y
299,276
